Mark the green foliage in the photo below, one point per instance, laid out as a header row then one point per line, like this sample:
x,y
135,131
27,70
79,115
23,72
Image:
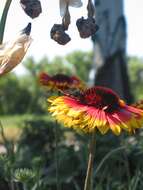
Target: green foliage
x,y
135,66
82,61
24,175
34,159
77,63
14,95
33,164
14,98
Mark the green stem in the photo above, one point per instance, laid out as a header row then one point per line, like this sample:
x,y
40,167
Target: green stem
x,y
25,186
3,19
57,157
89,175
10,153
12,185
38,178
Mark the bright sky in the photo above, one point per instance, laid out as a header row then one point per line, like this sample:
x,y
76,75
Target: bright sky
x,y
43,45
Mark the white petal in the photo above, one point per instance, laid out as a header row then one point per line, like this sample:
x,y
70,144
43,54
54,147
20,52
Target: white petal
x,y
72,3
75,3
63,4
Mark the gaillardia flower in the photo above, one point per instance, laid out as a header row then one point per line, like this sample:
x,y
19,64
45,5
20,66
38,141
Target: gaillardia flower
x,y
96,107
12,53
60,82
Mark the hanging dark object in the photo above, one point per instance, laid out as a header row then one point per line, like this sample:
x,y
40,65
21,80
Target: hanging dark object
x,y
58,30
58,34
86,27
31,7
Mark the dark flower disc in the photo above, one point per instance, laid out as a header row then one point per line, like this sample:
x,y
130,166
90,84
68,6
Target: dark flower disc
x,y
101,98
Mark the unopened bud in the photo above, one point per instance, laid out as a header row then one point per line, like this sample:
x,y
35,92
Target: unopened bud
x,y
58,34
86,27
31,7
27,29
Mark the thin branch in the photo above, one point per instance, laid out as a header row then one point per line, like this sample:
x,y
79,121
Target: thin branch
x,y
3,19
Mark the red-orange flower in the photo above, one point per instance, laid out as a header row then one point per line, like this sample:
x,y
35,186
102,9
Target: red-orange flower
x,y
96,107
60,82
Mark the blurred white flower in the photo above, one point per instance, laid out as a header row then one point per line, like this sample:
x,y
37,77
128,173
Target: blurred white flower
x,y
12,53
65,3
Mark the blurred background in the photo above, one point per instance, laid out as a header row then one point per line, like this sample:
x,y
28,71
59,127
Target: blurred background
x,y
112,58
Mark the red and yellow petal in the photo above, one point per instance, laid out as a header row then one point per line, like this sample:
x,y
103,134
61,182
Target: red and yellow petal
x,y
76,115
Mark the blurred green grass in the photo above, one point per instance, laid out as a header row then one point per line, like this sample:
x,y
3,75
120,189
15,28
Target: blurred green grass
x,y
13,124
16,121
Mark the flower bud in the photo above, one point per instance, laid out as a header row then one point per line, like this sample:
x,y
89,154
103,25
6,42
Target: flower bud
x,y
12,53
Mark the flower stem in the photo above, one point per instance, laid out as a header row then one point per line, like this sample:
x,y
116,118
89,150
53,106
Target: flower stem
x,y
25,186
57,157
89,175
3,19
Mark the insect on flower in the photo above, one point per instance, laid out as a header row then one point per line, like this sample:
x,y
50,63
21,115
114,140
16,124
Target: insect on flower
x,y
96,107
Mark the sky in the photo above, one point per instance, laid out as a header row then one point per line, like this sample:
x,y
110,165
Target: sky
x,y
42,45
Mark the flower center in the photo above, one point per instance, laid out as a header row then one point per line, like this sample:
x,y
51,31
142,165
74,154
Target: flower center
x,y
61,78
101,98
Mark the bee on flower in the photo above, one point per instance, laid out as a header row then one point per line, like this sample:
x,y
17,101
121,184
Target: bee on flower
x,y
12,53
60,82
96,107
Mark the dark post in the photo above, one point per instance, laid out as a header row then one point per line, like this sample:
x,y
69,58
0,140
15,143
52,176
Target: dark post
x,y
110,48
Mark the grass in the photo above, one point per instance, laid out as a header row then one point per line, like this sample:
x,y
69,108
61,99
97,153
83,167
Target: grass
x,y
16,121
13,124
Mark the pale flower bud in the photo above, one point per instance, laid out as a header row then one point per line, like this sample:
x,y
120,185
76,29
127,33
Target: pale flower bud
x,y
12,53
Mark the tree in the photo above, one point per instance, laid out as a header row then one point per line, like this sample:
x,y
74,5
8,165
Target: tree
x,y
135,66
110,48
14,97
82,62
